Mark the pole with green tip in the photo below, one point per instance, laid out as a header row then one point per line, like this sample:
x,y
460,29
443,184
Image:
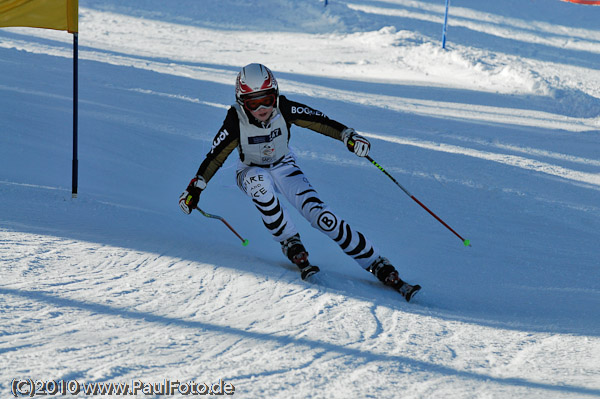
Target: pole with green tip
x,y
467,243
208,215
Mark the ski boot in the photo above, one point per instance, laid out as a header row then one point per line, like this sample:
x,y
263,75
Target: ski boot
x,y
388,275
296,253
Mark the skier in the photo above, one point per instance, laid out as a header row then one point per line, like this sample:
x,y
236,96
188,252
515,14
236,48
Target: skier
x,y
258,125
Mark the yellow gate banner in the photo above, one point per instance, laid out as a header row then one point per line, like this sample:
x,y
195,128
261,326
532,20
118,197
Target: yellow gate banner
x,y
48,14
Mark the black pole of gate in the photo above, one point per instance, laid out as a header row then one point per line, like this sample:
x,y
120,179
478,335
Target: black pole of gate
x,y
75,166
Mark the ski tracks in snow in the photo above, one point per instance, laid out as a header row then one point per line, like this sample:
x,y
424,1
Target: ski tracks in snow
x,y
91,309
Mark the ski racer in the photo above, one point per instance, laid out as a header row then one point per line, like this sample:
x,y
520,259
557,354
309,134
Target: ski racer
x,y
259,125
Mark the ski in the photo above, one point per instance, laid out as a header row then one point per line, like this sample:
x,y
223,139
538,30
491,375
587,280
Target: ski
x,y
308,271
408,291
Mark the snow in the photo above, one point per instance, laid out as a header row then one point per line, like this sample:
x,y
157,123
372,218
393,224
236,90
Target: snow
x,y
499,135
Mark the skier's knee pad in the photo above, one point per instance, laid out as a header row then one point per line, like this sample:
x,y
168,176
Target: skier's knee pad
x,y
256,183
326,221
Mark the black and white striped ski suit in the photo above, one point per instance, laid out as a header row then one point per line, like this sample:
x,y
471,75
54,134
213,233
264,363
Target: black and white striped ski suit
x,y
262,184
267,166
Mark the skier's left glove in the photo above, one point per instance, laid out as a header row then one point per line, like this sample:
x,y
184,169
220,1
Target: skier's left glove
x,y
355,142
191,195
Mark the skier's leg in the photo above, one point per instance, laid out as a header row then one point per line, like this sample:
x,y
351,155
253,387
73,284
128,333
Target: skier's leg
x,y
292,182
257,184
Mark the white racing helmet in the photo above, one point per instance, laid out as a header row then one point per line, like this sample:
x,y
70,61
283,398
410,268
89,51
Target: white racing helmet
x,y
256,86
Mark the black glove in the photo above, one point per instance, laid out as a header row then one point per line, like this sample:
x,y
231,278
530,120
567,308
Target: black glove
x,y
190,197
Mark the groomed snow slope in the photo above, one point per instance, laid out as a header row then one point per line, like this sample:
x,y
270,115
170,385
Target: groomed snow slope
x,y
499,134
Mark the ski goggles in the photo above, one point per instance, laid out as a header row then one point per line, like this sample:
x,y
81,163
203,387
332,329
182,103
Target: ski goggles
x,y
252,104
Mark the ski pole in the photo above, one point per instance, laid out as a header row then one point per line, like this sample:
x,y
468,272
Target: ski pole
x,y
208,215
466,242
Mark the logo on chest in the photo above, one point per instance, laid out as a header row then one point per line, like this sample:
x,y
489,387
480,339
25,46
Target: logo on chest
x,y
267,151
267,138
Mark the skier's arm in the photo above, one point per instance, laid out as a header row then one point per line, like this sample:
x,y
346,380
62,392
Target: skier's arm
x,y
223,144
310,118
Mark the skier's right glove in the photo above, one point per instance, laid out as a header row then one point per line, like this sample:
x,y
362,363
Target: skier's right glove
x,y
191,195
